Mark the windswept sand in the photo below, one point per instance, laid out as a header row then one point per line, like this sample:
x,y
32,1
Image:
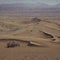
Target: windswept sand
x,y
45,32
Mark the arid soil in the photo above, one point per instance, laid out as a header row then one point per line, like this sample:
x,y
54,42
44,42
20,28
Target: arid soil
x,y
41,30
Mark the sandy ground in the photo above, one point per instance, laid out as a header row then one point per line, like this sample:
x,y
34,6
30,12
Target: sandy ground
x,y
24,52
19,27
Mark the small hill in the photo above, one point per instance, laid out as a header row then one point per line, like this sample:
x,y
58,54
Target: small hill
x,y
36,20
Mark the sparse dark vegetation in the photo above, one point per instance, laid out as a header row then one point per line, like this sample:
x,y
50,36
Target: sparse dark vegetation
x,y
58,36
30,30
12,44
53,39
36,20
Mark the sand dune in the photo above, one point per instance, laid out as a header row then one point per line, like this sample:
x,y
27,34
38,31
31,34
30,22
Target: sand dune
x,y
34,27
29,32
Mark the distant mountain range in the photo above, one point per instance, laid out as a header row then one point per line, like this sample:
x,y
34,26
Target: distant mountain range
x,y
28,7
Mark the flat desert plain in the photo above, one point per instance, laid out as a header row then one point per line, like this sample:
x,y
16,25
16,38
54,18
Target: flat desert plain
x,y
38,36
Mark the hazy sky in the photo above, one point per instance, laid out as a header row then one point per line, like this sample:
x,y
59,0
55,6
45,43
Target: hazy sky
x,y
31,1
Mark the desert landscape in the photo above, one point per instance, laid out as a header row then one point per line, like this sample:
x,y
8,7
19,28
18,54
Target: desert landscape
x,y
31,35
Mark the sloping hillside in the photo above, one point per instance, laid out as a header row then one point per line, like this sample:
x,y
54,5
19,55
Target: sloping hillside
x,y
37,28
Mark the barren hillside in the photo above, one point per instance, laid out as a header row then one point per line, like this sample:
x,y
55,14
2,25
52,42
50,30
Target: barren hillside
x,y
30,32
